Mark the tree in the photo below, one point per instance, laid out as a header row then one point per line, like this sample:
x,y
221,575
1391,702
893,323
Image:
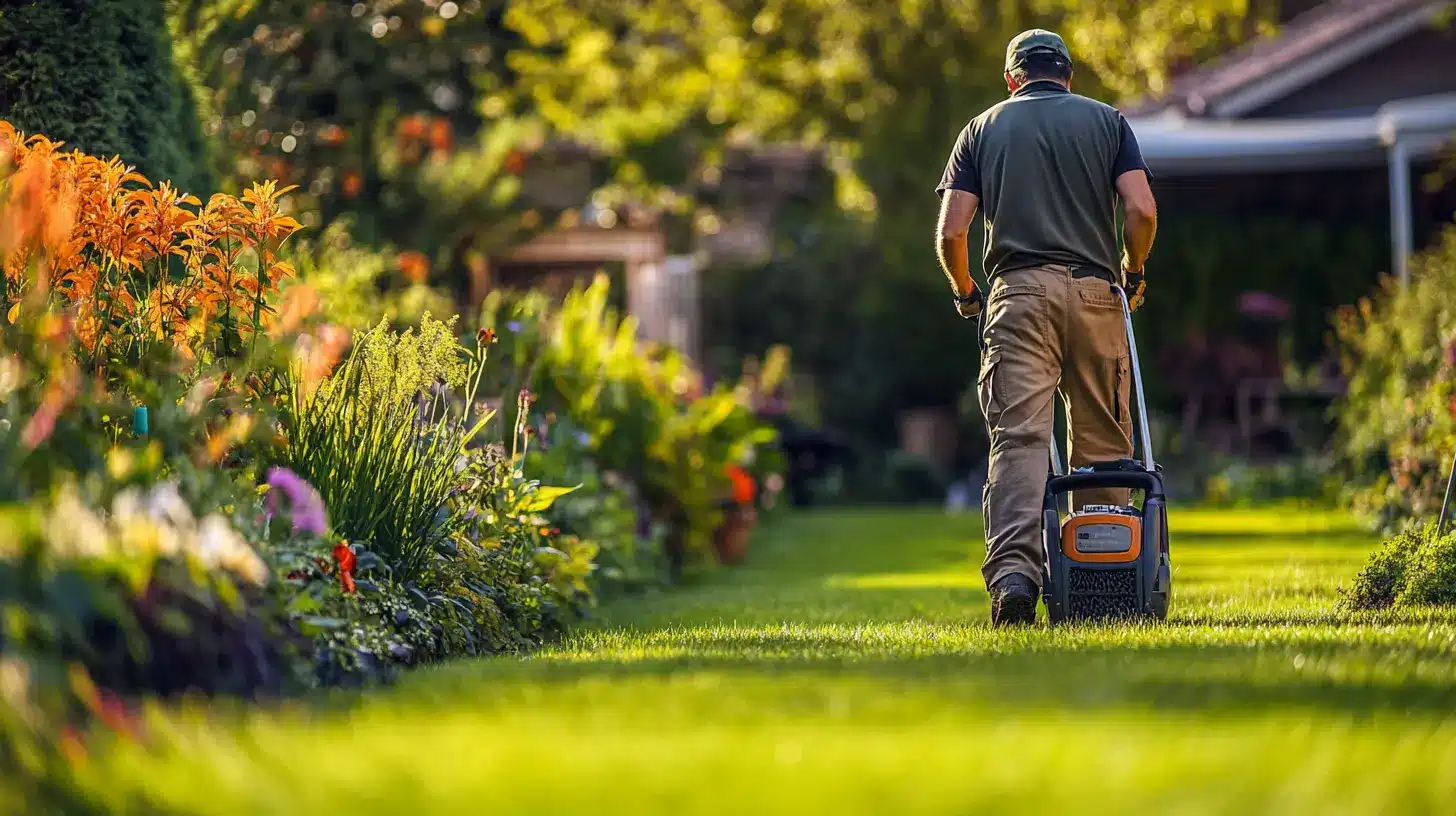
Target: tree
x,y
881,87
99,75
385,113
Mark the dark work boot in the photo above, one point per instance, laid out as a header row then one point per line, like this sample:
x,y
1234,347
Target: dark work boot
x,y
1013,600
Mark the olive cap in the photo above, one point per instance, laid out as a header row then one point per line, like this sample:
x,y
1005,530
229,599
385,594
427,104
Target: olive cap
x,y
1035,41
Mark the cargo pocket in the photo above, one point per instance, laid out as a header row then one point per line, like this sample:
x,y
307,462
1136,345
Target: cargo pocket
x,y
1100,300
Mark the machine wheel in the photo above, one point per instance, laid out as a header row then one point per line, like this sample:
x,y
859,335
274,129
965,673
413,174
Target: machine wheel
x,y
1052,594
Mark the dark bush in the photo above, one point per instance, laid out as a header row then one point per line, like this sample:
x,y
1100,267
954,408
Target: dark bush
x,y
99,75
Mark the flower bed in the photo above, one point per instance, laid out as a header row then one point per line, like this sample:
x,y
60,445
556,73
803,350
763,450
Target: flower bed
x,y
209,487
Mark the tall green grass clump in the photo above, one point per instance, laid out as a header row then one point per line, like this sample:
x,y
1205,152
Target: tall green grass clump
x,y
383,444
1416,567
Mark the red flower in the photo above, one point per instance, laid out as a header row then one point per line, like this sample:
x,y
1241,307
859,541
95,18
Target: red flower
x,y
744,488
485,337
346,559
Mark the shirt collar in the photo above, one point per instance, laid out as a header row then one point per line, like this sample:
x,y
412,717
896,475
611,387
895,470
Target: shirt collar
x,y
1040,85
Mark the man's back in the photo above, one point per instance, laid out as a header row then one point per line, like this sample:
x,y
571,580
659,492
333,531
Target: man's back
x,y
1045,163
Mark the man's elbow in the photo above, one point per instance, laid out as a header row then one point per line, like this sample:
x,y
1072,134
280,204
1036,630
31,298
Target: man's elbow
x,y
1142,209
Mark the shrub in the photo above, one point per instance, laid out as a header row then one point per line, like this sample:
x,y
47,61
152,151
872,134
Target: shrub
x,y
1238,483
145,595
643,407
381,443
604,511
1414,567
1397,421
99,75
359,286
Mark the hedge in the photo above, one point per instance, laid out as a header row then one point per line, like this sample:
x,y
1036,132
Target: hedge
x,y
99,75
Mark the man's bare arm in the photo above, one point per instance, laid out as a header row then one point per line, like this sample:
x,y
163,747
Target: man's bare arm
x,y
957,210
1141,224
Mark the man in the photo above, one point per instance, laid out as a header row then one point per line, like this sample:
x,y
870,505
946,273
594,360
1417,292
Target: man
x,y
1047,168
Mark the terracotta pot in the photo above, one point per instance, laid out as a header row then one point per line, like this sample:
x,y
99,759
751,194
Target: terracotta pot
x,y
730,540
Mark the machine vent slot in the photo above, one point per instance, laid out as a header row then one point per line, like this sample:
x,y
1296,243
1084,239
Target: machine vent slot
x,y
1082,581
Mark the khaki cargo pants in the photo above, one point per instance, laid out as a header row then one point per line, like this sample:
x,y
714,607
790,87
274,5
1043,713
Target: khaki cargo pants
x,y
1045,330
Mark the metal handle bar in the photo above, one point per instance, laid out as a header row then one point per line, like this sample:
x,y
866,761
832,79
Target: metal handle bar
x,y
1144,435
1131,479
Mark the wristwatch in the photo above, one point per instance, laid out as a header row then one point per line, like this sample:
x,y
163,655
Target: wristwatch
x,y
974,296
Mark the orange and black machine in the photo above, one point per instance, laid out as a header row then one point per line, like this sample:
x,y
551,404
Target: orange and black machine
x,y
1109,562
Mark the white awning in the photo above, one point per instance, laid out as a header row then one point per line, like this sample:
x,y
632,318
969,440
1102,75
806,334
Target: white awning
x,y
1175,146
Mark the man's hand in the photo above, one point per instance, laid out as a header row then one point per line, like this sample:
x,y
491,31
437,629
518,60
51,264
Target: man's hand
x,y
1134,284
971,305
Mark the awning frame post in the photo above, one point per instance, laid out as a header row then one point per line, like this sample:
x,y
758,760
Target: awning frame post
x,y
1401,232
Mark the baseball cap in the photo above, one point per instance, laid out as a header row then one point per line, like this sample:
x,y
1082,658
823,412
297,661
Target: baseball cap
x,y
1035,41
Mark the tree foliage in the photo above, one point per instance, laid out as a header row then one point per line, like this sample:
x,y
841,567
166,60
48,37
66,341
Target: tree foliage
x,y
417,118
99,75
386,113
882,88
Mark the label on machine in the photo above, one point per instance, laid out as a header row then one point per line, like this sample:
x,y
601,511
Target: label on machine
x,y
1104,538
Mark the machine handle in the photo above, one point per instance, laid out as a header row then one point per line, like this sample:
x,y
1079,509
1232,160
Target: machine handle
x,y
1144,436
1131,479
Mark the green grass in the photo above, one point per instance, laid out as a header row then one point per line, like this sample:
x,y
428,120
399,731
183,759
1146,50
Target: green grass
x,y
849,668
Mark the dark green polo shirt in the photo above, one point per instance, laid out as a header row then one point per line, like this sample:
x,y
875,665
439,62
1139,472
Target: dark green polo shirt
x,y
1044,164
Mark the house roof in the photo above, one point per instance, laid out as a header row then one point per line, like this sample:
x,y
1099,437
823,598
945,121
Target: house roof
x,y
1312,45
1176,146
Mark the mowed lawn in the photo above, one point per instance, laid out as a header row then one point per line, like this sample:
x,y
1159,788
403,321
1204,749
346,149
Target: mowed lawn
x,y
849,667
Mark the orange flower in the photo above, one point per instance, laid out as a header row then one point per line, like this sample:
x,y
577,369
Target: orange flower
x,y
318,352
332,135
72,745
442,137
414,266
108,240
412,127
353,184
300,301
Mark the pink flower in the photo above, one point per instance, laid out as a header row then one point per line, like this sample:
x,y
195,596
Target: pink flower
x,y
304,503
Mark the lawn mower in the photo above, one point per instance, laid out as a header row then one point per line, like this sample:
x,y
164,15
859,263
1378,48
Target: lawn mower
x,y
1108,562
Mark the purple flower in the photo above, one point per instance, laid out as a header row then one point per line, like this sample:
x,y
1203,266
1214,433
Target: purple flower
x,y
513,326
304,503
583,438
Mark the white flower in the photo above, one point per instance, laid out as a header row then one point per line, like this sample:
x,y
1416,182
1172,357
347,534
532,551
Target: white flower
x,y
127,506
221,546
166,504
73,530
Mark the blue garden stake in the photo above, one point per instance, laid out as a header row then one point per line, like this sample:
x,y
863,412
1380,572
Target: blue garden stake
x,y
139,424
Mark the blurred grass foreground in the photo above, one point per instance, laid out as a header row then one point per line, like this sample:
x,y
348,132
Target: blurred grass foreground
x,y
849,668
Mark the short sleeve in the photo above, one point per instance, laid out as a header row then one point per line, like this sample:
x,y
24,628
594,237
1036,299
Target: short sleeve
x,y
1129,155
960,170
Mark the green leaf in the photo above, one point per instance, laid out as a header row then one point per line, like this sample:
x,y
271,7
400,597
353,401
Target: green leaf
x,y
543,497
313,623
